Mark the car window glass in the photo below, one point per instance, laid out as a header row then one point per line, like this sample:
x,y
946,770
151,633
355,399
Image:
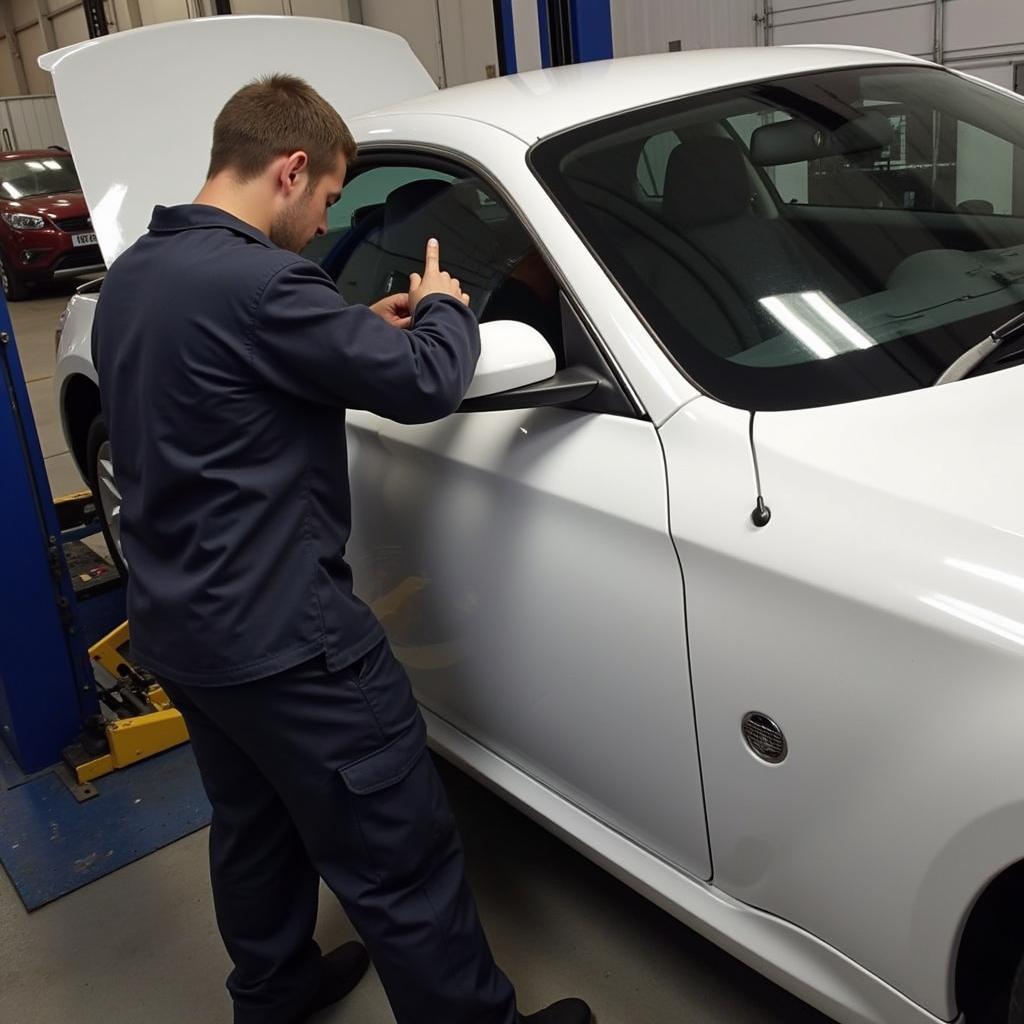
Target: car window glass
x,y
817,239
45,174
361,196
653,163
379,239
929,162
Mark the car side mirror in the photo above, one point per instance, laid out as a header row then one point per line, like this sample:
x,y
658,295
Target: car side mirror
x,y
512,355
518,370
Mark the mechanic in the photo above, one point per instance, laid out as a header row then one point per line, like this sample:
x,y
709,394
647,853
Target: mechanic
x,y
226,363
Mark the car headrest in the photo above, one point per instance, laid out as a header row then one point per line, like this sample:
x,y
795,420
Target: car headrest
x,y
407,199
791,142
706,181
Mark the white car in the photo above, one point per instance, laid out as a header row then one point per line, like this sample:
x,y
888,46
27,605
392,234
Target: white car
x,y
734,600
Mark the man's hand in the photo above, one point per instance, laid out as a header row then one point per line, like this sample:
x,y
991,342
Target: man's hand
x,y
434,280
394,309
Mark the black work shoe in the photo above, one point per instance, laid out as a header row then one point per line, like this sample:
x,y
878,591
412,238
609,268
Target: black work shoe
x,y
565,1011
340,971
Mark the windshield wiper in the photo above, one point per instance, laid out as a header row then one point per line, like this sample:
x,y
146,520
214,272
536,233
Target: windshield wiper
x,y
977,354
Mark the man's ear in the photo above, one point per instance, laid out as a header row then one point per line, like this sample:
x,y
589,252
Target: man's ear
x,y
293,169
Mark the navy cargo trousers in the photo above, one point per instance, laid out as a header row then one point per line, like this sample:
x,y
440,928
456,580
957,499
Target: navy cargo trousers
x,y
316,774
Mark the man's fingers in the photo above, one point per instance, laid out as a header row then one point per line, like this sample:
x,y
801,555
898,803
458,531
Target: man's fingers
x,y
433,260
414,282
465,299
455,285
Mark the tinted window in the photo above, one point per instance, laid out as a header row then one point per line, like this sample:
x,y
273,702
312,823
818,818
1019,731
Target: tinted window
x,y
379,228
812,240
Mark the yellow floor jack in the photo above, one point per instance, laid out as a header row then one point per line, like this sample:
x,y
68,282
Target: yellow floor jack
x,y
138,719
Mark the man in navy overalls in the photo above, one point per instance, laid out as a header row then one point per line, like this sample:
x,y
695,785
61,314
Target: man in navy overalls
x,y
226,364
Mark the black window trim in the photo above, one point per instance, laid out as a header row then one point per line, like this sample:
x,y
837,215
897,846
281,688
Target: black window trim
x,y
440,158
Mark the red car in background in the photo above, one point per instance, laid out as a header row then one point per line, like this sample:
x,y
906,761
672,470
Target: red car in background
x,y
45,229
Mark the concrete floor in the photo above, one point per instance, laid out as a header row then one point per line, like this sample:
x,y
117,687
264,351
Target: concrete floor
x,y
141,944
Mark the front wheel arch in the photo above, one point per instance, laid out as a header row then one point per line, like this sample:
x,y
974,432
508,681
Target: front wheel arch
x,y
990,960
81,407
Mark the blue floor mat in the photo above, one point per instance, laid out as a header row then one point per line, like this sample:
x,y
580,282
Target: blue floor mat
x,y
51,845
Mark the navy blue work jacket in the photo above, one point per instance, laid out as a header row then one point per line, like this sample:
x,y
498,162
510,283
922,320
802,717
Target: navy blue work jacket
x,y
226,365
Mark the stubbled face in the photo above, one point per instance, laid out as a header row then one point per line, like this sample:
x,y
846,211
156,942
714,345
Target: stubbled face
x,y
306,216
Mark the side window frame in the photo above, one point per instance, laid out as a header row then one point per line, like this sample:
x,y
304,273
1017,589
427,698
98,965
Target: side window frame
x,y
618,397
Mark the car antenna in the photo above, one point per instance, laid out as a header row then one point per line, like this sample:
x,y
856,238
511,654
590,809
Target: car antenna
x,y
762,514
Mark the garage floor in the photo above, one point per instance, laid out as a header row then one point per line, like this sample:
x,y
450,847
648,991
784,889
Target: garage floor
x,y
141,944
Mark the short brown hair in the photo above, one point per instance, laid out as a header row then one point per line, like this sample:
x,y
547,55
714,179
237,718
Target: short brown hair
x,y
272,116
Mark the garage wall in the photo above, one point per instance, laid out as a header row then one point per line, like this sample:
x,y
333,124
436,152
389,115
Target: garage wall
x,y
458,48
905,25
30,122
455,39
417,22
469,41
157,11
649,26
971,44
985,37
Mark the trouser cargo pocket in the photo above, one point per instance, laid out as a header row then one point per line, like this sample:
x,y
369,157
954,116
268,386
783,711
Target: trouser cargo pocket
x,y
399,806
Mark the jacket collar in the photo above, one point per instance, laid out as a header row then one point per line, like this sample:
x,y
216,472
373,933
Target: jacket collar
x,y
171,219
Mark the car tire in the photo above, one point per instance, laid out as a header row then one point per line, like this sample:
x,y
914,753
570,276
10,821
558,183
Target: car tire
x,y
104,490
14,287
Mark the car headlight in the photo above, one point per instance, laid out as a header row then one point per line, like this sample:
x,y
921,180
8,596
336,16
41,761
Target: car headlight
x,y
24,221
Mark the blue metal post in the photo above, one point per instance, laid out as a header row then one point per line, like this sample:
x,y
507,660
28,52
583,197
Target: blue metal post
x,y
506,32
591,30
46,683
545,33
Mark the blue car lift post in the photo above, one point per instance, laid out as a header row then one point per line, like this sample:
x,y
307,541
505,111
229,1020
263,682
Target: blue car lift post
x,y
53,710
46,682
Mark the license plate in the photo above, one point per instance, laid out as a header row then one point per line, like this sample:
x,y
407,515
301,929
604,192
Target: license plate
x,y
89,239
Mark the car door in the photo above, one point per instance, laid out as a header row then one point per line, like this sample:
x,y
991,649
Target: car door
x,y
521,560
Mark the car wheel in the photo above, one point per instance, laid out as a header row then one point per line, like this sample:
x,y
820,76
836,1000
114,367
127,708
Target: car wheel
x,y
105,490
14,287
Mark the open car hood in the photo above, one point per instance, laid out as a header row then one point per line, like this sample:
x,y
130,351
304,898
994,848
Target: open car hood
x,y
139,106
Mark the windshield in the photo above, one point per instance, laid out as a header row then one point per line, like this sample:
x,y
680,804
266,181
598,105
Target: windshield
x,y
811,240
37,176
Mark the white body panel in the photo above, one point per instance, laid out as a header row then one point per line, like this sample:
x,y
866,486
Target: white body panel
x,y
881,613
788,955
526,566
522,546
150,148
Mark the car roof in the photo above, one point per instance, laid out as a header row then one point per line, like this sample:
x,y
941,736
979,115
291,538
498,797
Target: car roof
x,y
535,104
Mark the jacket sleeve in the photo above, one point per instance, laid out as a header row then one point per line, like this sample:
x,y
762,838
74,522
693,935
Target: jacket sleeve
x,y
306,341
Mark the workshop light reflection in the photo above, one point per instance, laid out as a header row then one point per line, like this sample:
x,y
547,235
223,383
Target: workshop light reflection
x,y
817,323
984,618
986,572
105,218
